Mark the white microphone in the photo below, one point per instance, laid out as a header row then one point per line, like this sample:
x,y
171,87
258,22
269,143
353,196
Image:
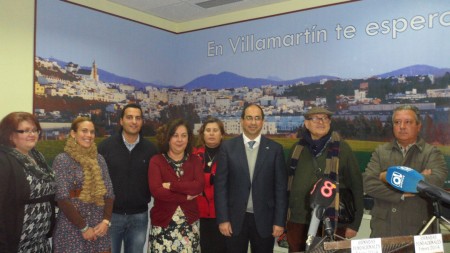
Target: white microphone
x,y
314,225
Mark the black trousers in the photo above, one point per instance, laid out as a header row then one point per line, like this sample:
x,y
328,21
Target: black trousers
x,y
211,240
239,243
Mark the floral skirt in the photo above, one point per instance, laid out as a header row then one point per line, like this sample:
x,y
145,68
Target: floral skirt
x,y
179,236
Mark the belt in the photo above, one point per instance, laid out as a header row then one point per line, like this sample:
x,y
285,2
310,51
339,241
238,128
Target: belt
x,y
74,193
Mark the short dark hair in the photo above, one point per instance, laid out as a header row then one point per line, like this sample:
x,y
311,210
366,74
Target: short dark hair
x,y
132,105
201,131
410,108
247,106
11,122
166,132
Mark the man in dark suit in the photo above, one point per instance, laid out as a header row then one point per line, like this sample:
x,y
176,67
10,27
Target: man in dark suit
x,y
250,187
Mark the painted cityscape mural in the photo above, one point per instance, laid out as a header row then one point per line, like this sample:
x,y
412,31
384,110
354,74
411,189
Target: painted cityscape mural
x,y
359,64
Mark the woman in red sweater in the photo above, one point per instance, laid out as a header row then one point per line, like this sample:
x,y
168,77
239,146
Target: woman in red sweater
x,y
210,138
175,179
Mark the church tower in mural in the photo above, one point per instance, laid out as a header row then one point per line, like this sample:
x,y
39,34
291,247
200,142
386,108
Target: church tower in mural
x,y
94,72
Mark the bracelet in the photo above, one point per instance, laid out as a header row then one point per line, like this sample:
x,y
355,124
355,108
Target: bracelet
x,y
107,222
84,229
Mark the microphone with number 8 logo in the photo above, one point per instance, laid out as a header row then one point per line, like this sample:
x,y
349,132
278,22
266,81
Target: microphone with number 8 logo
x,y
322,194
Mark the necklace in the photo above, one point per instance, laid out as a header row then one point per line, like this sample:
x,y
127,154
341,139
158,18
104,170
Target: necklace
x,y
210,159
176,165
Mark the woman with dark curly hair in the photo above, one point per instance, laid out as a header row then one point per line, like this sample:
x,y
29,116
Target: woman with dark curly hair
x,y
84,194
175,178
27,187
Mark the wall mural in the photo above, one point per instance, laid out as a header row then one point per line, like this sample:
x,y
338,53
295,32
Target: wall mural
x,y
359,64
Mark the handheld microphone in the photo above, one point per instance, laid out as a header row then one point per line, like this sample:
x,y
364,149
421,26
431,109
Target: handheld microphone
x,y
409,180
322,194
329,232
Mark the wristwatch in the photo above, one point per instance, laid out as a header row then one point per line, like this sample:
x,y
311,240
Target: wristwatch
x,y
107,222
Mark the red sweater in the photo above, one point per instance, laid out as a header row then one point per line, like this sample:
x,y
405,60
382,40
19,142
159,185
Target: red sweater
x,y
167,201
206,200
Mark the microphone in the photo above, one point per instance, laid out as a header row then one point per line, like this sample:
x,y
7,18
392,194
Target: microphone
x,y
409,180
329,232
322,194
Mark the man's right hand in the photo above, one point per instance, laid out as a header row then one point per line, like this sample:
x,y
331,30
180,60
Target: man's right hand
x,y
225,228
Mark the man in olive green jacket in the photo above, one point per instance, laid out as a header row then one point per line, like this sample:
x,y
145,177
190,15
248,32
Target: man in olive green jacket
x,y
318,142
396,213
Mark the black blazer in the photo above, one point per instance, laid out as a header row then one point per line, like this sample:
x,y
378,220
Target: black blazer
x,y
14,193
269,186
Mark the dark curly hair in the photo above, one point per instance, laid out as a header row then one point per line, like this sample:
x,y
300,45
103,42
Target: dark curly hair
x,y
165,132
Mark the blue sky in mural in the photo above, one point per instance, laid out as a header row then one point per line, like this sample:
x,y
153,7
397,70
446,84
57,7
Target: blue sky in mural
x,y
410,32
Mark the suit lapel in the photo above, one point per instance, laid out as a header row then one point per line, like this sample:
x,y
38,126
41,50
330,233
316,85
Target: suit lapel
x,y
242,156
263,152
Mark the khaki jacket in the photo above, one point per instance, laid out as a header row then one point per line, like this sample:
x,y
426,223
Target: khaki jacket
x,y
392,216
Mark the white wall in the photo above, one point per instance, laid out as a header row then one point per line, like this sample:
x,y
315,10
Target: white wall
x,y
16,51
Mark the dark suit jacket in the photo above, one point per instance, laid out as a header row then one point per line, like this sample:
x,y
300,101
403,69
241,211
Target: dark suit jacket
x,y
269,187
14,193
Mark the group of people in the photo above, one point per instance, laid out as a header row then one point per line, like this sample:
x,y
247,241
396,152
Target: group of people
x,y
209,196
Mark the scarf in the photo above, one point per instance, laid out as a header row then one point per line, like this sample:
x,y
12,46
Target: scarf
x,y
331,142
34,163
94,189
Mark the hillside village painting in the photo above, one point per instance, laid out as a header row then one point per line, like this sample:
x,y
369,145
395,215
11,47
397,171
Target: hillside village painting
x,y
98,63
363,106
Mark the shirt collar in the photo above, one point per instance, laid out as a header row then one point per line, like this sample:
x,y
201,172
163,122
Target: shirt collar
x,y
130,146
257,139
405,149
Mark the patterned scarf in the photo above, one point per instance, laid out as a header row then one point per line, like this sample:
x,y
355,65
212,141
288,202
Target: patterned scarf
x,y
94,188
34,163
331,142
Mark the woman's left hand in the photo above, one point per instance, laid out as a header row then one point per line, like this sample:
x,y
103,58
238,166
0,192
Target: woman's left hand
x,y
166,185
101,229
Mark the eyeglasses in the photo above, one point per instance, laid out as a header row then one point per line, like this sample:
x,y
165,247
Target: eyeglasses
x,y
250,118
319,119
406,122
29,131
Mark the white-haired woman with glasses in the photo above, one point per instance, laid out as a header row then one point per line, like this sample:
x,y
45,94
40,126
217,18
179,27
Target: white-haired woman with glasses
x,y
27,187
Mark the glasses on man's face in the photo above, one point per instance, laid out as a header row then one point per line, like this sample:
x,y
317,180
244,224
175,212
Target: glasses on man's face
x,y
250,118
28,131
319,119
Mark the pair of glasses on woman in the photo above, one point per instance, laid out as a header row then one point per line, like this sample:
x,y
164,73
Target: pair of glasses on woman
x,y
28,131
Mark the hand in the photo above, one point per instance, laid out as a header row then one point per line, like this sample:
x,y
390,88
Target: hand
x,y
426,172
166,186
277,231
408,195
225,228
190,197
382,177
89,235
101,229
350,233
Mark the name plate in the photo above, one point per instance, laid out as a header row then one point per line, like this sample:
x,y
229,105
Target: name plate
x,y
372,245
428,243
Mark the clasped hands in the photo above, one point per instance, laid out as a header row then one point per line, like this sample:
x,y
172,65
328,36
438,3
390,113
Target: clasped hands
x,y
99,230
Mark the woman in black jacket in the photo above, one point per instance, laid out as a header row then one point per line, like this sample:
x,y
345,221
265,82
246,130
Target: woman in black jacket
x,y
27,187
